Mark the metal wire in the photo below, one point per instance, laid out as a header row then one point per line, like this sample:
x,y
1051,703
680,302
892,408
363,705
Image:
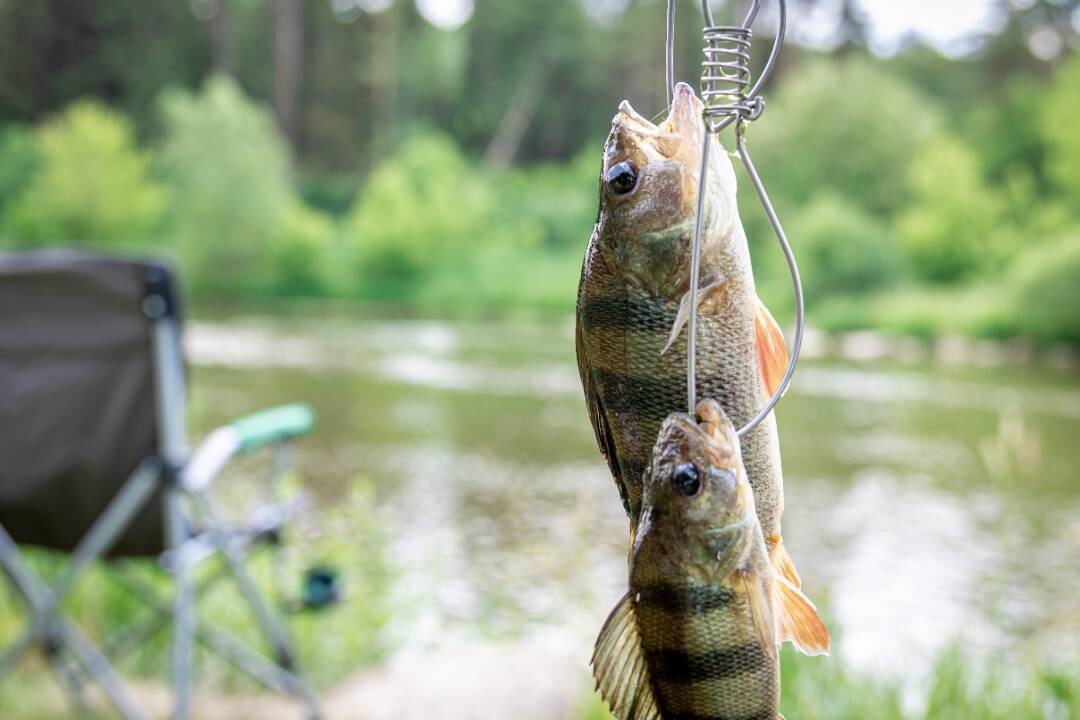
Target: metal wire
x,y
729,98
669,57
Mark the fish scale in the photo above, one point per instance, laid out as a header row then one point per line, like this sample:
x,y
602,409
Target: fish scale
x,y
695,637
622,332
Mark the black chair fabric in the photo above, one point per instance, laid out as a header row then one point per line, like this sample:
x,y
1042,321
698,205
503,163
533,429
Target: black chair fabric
x,y
77,407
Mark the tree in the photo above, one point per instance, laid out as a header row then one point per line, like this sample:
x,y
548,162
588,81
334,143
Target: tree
x,y
93,185
949,228
228,169
1057,121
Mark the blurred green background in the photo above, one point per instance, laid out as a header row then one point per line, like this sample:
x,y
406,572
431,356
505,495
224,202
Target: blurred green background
x,y
381,206
360,149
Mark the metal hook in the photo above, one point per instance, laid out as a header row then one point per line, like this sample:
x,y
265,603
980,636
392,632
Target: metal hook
x,y
728,100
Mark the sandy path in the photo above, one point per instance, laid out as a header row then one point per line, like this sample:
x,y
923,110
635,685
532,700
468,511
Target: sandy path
x,y
483,682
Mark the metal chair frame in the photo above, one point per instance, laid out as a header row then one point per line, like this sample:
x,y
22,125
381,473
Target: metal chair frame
x,y
184,479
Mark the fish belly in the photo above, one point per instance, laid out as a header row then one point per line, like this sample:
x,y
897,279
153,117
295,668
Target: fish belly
x,y
624,330
703,656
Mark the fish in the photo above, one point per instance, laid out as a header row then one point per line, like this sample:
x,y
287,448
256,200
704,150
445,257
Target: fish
x,y
634,300
697,634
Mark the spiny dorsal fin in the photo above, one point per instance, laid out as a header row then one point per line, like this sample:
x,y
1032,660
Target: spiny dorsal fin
x,y
683,315
771,348
799,620
618,662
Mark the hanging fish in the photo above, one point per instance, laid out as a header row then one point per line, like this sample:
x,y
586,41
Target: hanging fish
x,y
634,302
698,632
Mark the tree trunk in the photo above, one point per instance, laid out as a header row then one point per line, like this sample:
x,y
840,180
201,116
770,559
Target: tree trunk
x,y
516,120
288,65
221,60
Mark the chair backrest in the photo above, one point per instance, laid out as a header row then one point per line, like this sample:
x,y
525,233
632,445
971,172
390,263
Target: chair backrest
x,y
77,393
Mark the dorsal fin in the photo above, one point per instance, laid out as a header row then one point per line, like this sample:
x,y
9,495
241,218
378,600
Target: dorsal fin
x,y
618,662
771,348
799,619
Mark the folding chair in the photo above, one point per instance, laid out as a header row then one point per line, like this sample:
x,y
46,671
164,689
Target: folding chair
x,y
94,462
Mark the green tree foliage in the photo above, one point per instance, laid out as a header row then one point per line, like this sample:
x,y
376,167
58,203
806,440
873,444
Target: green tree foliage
x,y
301,254
228,170
1058,117
949,229
423,207
19,160
845,126
93,185
1046,290
843,250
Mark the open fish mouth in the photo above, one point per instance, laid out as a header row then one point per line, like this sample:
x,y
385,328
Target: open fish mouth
x,y
682,125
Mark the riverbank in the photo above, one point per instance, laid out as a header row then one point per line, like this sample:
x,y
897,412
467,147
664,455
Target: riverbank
x,y
526,681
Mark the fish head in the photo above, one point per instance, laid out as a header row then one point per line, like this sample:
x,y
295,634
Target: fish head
x,y
698,499
648,196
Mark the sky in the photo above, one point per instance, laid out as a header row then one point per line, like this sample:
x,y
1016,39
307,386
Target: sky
x,y
943,23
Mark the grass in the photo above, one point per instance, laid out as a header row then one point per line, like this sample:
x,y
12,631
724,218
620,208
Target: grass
x,y
331,643
826,689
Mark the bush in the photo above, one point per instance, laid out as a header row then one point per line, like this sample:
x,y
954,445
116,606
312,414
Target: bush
x,y
228,168
19,161
842,250
423,208
93,186
949,229
841,125
1058,116
1046,290
300,253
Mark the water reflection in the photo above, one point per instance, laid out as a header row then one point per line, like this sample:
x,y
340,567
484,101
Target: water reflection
x,y
914,514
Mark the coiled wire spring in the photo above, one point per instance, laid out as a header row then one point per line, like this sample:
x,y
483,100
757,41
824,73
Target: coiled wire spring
x,y
729,97
725,77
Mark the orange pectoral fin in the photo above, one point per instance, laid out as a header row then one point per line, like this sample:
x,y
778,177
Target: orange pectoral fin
x,y
771,348
799,620
783,564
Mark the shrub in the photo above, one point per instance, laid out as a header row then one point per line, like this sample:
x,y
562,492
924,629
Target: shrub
x,y
948,230
843,250
228,169
93,186
841,125
19,161
1046,290
300,253
1059,110
421,209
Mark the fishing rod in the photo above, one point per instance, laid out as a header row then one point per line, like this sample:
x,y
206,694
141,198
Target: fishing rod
x,y
730,97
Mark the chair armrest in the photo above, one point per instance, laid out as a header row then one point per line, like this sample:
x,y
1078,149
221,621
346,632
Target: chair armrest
x,y
244,435
267,427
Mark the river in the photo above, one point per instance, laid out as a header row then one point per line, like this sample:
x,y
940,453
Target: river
x,y
927,504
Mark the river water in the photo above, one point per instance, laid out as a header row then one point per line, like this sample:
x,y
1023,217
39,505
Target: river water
x,y
927,505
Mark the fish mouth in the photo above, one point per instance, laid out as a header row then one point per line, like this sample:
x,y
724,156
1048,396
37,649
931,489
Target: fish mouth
x,y
682,125
709,430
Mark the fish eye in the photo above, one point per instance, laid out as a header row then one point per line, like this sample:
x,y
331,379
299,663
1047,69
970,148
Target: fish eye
x,y
622,178
686,479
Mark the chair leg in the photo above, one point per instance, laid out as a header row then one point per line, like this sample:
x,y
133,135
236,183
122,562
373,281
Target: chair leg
x,y
97,666
69,675
183,610
265,617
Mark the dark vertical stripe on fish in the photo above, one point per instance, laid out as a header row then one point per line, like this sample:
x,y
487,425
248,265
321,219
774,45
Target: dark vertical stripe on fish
x,y
761,715
676,666
684,600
